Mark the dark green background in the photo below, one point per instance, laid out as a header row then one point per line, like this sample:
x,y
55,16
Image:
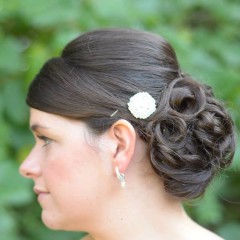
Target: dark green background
x,y
206,36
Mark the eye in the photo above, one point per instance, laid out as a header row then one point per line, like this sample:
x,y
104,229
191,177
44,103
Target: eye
x,y
46,140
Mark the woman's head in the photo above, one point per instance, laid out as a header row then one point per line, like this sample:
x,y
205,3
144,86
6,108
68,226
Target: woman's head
x,y
189,136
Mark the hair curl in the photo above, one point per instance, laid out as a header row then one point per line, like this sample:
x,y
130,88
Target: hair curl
x,y
190,136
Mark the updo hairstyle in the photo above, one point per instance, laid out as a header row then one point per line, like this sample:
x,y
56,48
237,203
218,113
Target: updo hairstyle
x,y
190,136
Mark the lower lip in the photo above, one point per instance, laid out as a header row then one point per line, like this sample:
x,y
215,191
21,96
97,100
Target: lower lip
x,y
41,196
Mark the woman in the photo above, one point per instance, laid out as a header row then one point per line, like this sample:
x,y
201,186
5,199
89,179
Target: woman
x,y
123,137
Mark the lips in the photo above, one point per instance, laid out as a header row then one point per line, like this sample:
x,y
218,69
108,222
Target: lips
x,y
39,191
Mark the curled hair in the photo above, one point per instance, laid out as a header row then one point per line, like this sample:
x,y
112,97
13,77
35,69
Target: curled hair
x,y
190,136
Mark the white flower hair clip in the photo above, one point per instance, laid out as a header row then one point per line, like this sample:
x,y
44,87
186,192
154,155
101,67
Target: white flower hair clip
x,y
142,105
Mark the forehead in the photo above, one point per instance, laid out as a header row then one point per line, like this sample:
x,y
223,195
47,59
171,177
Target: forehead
x,y
37,117
53,122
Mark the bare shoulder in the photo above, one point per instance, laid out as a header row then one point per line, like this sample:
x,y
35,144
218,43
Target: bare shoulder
x,y
197,232
215,237
207,235
212,236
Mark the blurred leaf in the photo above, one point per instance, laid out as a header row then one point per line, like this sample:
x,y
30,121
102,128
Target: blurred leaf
x,y
7,225
37,12
36,55
13,61
8,8
14,189
62,37
4,133
236,161
59,235
230,231
120,10
14,102
116,6
207,210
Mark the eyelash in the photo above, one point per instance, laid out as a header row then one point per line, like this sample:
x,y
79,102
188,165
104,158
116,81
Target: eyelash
x,y
45,139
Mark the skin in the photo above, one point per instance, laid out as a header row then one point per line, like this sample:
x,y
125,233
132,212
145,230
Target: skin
x,y
74,176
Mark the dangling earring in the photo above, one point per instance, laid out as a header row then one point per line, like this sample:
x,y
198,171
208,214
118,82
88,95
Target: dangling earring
x,y
121,177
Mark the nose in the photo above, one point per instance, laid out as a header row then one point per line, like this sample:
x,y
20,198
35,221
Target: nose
x,y
30,167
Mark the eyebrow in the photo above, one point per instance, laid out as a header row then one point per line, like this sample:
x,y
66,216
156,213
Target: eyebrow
x,y
35,127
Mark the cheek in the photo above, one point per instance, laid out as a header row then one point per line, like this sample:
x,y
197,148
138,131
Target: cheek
x,y
73,178
79,181
74,173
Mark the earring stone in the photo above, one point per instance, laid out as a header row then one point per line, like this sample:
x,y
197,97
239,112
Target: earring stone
x,y
121,177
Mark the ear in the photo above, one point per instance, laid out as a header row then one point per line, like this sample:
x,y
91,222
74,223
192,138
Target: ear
x,y
124,136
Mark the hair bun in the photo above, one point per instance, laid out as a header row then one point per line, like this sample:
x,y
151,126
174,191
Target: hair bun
x,y
191,138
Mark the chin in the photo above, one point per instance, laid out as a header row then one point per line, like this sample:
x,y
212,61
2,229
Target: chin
x,y
51,221
56,223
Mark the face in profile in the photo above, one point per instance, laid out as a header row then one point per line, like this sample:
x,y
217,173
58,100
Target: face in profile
x,y
69,168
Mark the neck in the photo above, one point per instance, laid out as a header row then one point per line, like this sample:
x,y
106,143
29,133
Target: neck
x,y
146,214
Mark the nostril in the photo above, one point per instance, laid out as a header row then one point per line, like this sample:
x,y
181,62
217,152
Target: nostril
x,y
29,169
25,170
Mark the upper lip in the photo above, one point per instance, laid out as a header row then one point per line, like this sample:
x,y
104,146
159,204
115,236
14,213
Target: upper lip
x,y
39,190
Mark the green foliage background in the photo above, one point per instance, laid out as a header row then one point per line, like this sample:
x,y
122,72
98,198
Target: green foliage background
x,y
206,37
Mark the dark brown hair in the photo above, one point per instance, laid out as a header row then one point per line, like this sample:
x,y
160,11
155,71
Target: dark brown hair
x,y
190,136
